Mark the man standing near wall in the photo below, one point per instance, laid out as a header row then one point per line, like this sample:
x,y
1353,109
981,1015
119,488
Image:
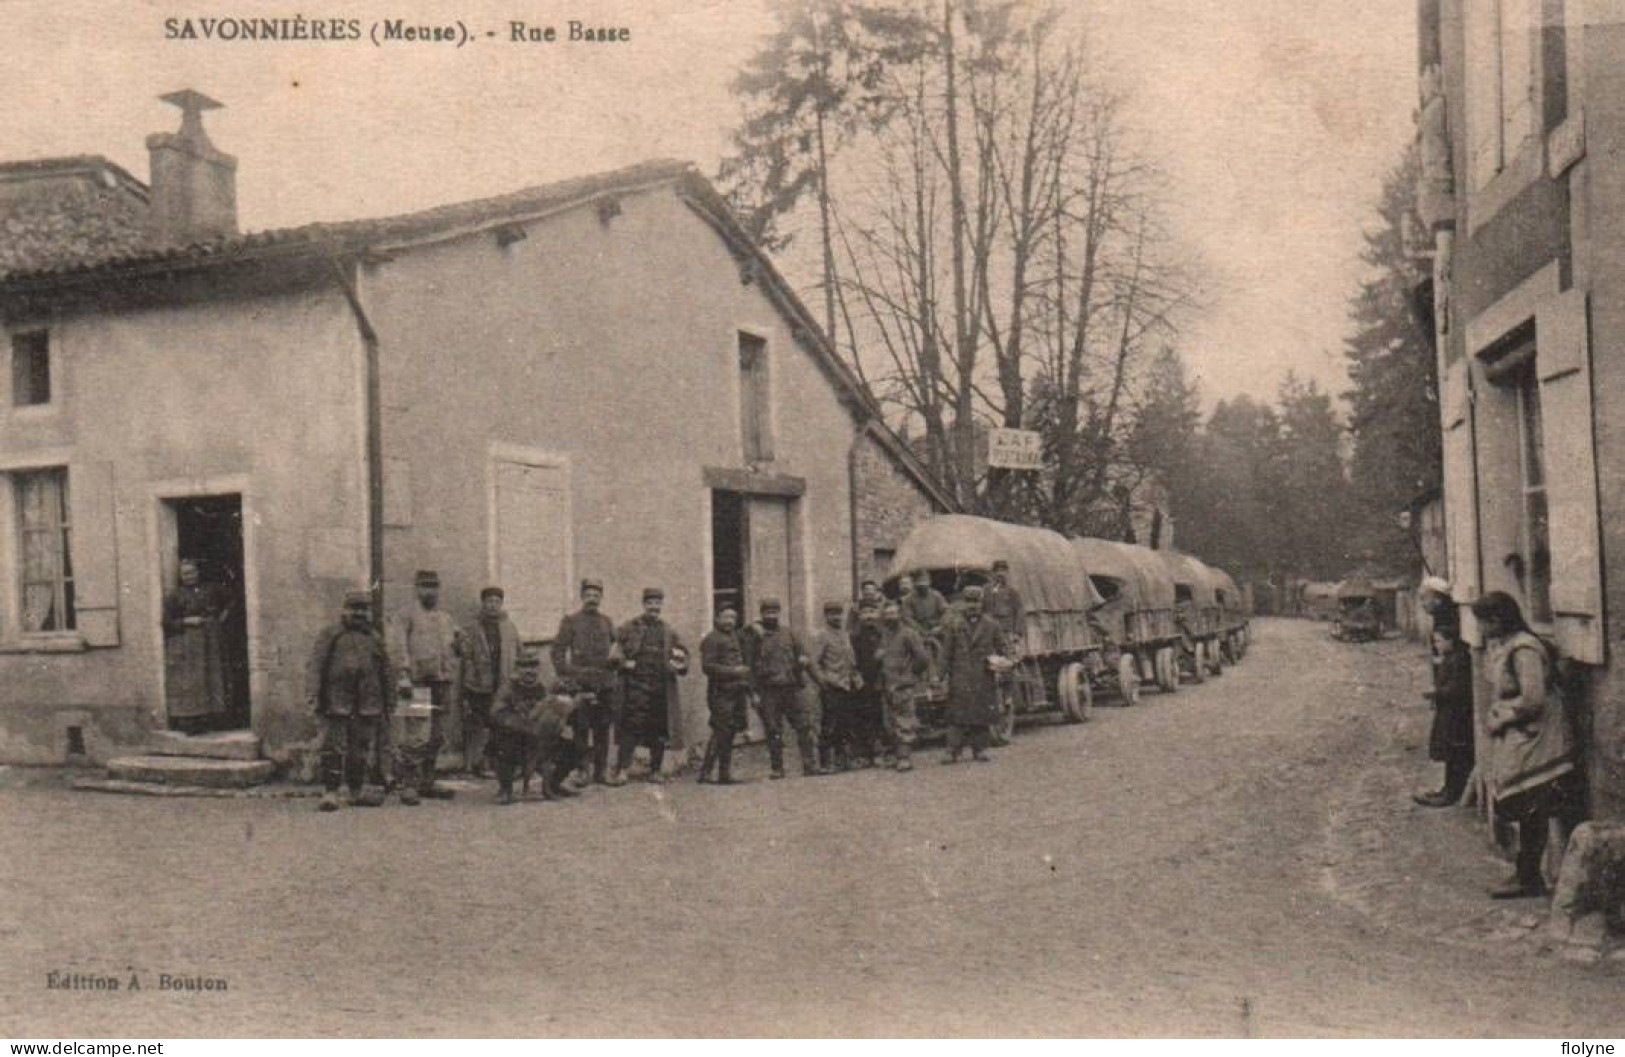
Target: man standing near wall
x,y
491,650
835,669
652,659
869,726
349,684
778,664
433,652
582,661
722,658
905,664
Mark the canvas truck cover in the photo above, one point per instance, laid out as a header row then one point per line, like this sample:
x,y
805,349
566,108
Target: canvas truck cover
x,y
1189,572
1052,578
1044,567
1146,578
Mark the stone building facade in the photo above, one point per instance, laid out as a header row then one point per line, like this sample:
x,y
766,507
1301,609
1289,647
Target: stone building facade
x,y
600,377
1522,125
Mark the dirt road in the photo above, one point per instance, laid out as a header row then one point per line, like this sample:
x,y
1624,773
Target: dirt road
x,y
1237,858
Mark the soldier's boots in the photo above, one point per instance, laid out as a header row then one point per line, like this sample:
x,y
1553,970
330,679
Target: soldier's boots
x,y
366,798
725,759
616,778
904,763
505,795
409,796
330,801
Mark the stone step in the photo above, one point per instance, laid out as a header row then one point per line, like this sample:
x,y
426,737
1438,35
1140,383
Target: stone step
x,y
226,745
191,770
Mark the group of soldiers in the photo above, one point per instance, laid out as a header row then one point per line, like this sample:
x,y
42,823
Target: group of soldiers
x,y
868,663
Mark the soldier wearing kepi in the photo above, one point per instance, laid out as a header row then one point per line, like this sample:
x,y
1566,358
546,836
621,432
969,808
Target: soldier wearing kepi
x,y
489,651
722,658
835,670
652,659
974,648
527,722
349,684
582,660
433,656
905,664
869,725
778,664
924,608
1002,602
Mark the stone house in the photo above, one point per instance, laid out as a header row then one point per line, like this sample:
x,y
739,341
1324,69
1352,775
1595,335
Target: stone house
x,y
1522,122
598,377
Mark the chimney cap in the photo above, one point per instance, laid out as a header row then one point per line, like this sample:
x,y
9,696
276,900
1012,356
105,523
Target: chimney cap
x,y
191,102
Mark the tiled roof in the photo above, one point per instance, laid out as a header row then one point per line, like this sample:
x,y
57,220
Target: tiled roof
x,y
65,212
351,234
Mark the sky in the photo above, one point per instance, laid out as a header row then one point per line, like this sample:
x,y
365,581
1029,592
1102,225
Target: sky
x,y
1276,120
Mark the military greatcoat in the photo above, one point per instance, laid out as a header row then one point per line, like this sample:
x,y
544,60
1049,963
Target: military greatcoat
x,y
967,643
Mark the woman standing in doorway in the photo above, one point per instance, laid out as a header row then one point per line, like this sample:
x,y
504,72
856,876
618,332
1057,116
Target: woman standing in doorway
x,y
194,675
1532,756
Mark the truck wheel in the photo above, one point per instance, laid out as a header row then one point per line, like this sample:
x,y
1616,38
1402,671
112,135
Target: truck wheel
x,y
1167,667
1128,679
1199,662
1074,693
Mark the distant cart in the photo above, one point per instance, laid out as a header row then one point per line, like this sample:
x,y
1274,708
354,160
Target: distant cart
x,y
1197,614
1359,616
1058,651
1141,635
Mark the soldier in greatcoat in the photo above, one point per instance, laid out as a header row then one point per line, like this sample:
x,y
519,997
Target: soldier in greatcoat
x,y
727,691
583,660
778,664
905,664
869,724
433,658
490,649
835,669
973,647
652,658
349,684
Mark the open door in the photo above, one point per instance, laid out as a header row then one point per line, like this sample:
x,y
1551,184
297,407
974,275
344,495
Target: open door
x,y
206,685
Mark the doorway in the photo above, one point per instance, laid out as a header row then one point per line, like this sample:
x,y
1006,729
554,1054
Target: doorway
x,y
730,539
753,547
206,676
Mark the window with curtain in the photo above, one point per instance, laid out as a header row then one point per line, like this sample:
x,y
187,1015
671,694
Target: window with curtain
x,y
47,567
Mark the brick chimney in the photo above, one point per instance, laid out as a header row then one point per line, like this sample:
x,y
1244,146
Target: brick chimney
x,y
193,194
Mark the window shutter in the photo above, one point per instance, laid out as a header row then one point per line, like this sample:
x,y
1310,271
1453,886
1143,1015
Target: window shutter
x,y
1482,78
1460,482
1563,366
93,543
533,546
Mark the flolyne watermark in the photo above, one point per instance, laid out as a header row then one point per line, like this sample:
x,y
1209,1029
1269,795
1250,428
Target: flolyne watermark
x,y
1586,1049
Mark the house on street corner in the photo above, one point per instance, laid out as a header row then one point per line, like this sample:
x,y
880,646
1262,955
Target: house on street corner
x,y
1522,145
598,377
